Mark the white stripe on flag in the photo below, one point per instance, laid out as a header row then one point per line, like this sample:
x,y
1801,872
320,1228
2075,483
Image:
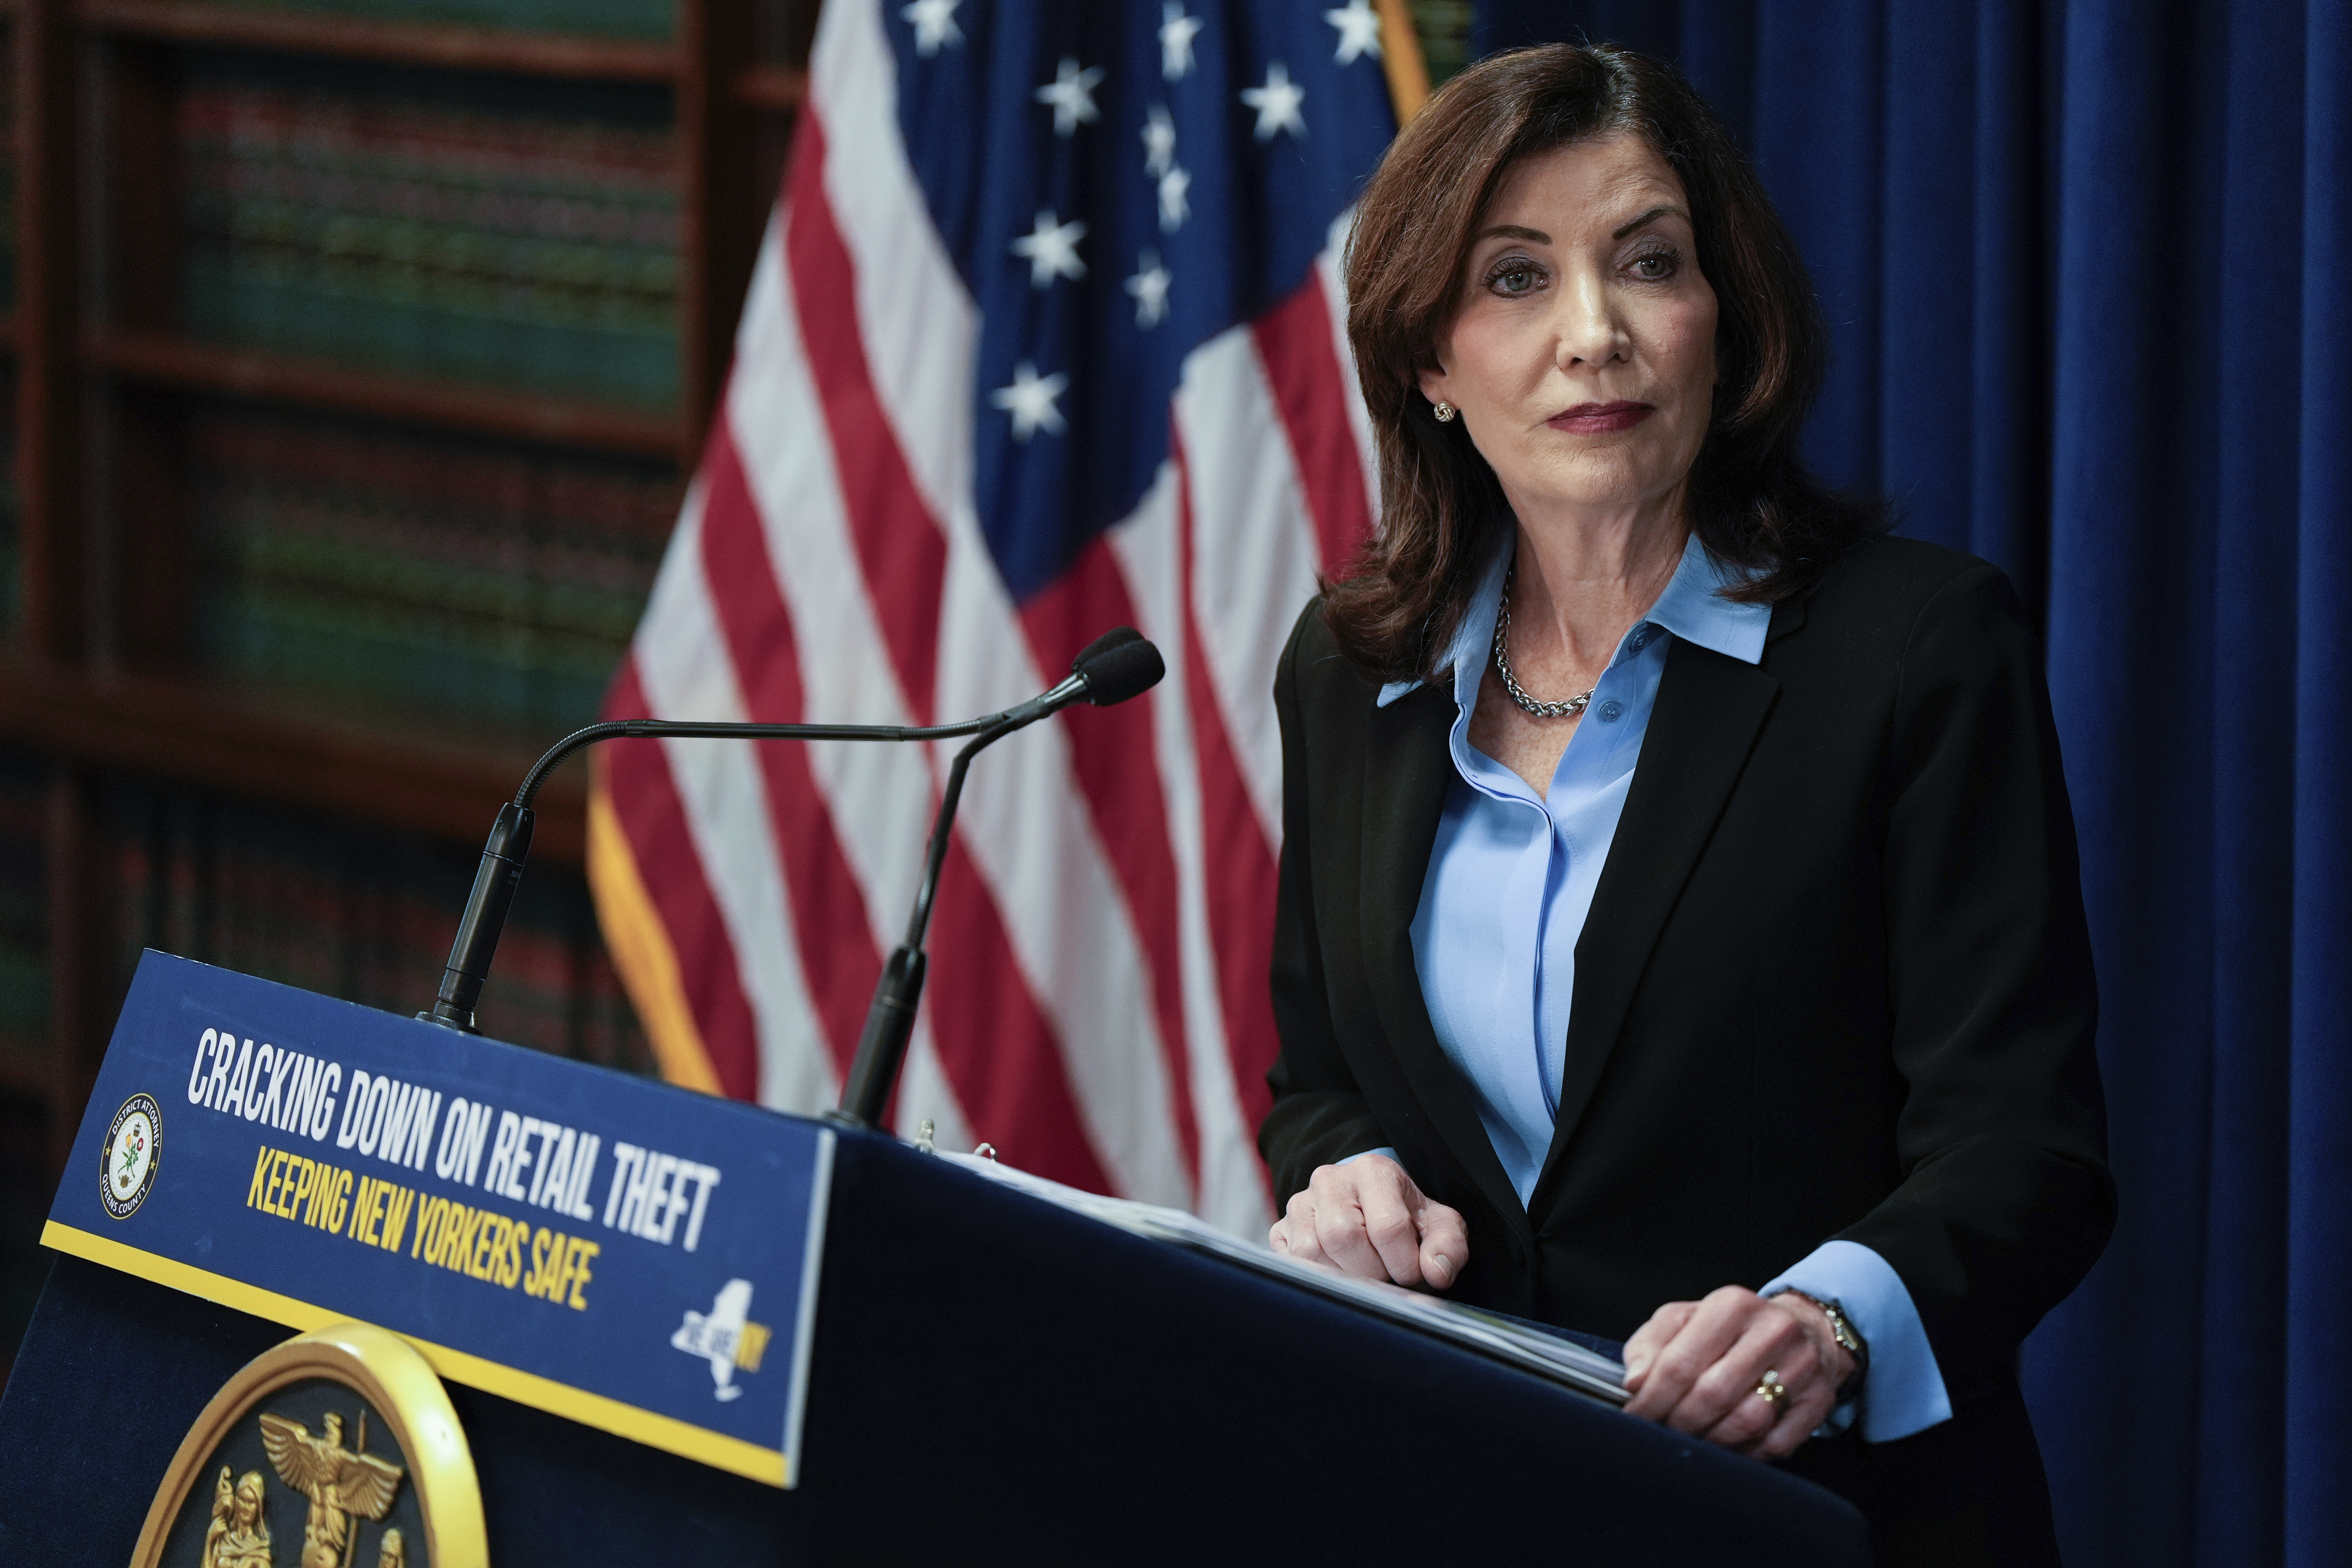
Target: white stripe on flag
x,y
1148,548
921,327
1027,824
1255,551
685,674
881,796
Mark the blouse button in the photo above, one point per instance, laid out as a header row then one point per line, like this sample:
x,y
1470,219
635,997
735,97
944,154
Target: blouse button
x,y
1611,711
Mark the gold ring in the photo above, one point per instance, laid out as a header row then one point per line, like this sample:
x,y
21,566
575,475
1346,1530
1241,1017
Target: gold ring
x,y
1771,1389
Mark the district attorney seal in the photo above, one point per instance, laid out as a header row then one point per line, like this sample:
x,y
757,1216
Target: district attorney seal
x,y
133,1145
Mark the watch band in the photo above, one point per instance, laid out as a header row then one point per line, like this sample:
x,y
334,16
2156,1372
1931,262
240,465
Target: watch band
x,y
1852,1344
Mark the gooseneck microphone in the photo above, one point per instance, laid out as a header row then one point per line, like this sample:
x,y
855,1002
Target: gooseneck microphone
x,y
1115,666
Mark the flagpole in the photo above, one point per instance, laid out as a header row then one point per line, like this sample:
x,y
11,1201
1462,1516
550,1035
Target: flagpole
x,y
1401,56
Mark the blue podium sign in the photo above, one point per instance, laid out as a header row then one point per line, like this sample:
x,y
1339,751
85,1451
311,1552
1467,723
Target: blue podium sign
x,y
625,1254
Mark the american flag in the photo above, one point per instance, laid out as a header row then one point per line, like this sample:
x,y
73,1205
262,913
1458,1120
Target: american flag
x,y
1045,337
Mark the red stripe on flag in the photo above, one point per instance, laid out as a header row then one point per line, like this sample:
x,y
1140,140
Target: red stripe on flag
x,y
1112,750
646,805
899,542
994,1043
1240,862
829,918
1302,367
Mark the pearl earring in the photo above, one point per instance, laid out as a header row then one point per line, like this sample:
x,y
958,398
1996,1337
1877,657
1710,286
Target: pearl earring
x,y
1444,412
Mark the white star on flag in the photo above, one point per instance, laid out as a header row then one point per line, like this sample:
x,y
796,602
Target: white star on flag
x,y
1277,104
1359,31
1176,32
1149,286
1173,209
1051,250
934,23
1072,94
1158,142
1030,401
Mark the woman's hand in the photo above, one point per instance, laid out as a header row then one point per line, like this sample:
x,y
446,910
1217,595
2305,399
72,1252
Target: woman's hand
x,y
1366,1218
1696,1366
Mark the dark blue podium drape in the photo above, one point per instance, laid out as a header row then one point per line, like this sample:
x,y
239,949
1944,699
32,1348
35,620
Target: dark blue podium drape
x,y
2089,269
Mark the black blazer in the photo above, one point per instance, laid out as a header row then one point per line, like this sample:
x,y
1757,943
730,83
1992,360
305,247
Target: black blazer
x,y
1836,980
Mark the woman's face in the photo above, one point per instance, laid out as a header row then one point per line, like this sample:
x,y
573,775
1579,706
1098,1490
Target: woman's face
x,y
1582,352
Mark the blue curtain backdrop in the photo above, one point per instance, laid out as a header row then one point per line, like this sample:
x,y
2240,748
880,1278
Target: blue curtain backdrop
x,y
2089,269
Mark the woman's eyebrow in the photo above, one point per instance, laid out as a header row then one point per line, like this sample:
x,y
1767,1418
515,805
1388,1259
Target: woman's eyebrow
x,y
1513,231
1650,216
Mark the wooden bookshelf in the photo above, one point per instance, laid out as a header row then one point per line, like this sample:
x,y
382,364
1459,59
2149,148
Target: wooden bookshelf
x,y
157,359
24,1064
448,46
773,90
397,775
97,674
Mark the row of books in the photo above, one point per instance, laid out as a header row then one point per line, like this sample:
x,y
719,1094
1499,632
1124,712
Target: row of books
x,y
7,170
504,230
23,906
603,18
352,911
339,907
26,1180
350,560
11,509
343,909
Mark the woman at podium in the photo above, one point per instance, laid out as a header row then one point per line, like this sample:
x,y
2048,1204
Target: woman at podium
x,y
1680,936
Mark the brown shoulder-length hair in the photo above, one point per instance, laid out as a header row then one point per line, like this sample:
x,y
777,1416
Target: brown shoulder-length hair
x,y
1752,501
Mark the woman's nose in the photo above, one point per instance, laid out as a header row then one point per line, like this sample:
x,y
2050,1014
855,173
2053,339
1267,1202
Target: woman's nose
x,y
1585,329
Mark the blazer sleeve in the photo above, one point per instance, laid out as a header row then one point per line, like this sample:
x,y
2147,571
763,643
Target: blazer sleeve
x,y
2006,1199
1319,1116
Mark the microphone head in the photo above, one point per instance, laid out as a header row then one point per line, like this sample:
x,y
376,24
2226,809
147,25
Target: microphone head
x,y
1104,643
1117,666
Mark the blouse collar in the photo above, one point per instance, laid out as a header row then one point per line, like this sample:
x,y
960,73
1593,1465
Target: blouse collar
x,y
1692,607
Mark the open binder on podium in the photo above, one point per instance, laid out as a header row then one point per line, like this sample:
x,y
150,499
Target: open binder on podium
x,y
1525,1346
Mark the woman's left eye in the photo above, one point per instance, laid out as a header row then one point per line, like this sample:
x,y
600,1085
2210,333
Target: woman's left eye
x,y
1656,266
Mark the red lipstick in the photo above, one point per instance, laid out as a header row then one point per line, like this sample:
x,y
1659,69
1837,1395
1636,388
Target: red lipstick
x,y
1601,418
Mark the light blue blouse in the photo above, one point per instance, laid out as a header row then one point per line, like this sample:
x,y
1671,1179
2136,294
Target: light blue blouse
x,y
1510,881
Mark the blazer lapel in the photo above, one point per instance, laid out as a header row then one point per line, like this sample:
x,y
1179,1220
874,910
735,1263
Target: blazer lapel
x,y
1709,709
1407,767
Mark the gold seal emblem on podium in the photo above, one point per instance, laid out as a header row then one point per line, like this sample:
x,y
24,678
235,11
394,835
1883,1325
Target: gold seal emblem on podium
x,y
336,1449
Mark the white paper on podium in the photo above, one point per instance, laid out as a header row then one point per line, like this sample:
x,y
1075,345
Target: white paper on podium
x,y
1531,1350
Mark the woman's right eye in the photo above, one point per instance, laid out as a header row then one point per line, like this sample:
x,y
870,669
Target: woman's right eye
x,y
1515,278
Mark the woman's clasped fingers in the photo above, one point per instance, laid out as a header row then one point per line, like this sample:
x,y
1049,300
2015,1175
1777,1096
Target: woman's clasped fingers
x,y
1701,1368
1445,1243
1764,1384
1365,1212
1294,1233
1367,1218
1685,1340
1642,1350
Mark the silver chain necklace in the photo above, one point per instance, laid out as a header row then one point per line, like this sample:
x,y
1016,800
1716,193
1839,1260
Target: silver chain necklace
x,y
1565,709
